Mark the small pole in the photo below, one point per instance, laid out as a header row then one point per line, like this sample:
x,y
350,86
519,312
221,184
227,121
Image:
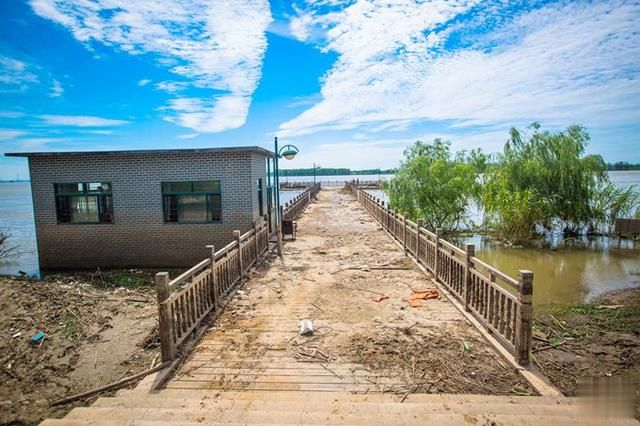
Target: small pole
x,y
214,278
470,251
418,241
524,319
437,253
236,236
255,241
165,320
279,236
404,233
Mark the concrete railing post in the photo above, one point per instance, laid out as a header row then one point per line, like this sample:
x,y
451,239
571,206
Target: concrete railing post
x,y
524,319
436,261
404,233
165,321
214,279
470,251
236,236
418,241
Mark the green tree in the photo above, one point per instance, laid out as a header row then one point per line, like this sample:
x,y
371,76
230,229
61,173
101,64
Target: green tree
x,y
543,180
435,185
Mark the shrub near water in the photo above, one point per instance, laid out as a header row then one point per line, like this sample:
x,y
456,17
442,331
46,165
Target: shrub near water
x,y
434,185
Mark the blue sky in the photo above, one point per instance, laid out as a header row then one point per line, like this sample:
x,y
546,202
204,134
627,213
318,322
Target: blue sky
x,y
351,83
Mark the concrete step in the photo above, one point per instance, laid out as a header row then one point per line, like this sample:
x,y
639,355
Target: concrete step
x,y
284,418
377,397
365,409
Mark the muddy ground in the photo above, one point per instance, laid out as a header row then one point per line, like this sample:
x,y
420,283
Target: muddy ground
x,y
98,328
582,343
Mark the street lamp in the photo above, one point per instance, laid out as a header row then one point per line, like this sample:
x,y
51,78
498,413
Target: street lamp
x,y
288,152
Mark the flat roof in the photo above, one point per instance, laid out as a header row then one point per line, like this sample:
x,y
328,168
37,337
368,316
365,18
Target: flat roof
x,y
254,149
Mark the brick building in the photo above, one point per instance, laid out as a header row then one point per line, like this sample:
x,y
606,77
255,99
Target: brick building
x,y
144,208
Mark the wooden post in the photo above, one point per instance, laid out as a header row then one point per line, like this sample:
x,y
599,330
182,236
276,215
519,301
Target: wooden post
x,y
470,251
165,320
490,306
524,319
266,233
236,236
404,233
214,278
384,215
279,232
418,227
437,252
255,241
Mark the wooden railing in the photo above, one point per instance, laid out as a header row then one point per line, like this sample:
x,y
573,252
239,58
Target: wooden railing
x,y
298,205
499,302
185,301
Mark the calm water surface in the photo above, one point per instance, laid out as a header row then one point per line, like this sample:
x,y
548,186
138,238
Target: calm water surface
x,y
572,271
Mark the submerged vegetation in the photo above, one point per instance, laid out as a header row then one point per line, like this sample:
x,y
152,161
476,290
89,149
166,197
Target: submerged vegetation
x,y
541,182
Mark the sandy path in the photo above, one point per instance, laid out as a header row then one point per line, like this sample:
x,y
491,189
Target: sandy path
x,y
340,260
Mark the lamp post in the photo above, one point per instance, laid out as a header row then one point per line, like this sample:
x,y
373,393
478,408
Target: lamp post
x,y
314,172
287,152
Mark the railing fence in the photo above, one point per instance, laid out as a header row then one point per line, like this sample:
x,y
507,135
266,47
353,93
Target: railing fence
x,y
185,301
480,288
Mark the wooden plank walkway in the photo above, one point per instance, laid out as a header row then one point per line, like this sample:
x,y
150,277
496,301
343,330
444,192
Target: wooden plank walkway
x,y
383,362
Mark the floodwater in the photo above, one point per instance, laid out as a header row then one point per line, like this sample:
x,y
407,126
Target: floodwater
x,y
16,219
570,271
567,271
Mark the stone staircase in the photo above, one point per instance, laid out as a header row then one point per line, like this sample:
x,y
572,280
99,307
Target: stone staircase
x,y
213,407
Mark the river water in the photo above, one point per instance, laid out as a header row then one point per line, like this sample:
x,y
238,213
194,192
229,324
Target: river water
x,y
570,271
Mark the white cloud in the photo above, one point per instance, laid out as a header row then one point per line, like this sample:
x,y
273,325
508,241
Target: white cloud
x,y
8,134
11,114
172,86
80,121
562,63
56,89
189,136
215,45
15,75
99,132
144,82
35,143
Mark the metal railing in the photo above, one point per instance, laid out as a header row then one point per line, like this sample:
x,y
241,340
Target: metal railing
x,y
499,302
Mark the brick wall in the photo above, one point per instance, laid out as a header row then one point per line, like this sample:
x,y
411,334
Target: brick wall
x,y
139,236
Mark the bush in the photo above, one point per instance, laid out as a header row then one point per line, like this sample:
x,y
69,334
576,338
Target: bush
x,y
434,185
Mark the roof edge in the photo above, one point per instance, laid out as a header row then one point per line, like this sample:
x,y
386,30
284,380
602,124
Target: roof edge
x,y
254,149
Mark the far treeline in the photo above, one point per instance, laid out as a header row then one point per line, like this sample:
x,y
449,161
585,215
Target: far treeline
x,y
622,165
541,182
334,172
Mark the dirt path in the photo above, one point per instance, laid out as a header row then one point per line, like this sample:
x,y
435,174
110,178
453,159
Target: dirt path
x,y
340,261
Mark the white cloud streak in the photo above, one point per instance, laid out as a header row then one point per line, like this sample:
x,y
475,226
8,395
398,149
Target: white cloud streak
x,y
562,63
143,82
215,45
8,134
80,121
56,89
15,75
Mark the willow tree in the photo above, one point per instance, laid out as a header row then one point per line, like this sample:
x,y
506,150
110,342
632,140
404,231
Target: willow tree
x,y
544,181
435,185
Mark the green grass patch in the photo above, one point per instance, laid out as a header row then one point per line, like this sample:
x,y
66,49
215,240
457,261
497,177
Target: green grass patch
x,y
590,320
